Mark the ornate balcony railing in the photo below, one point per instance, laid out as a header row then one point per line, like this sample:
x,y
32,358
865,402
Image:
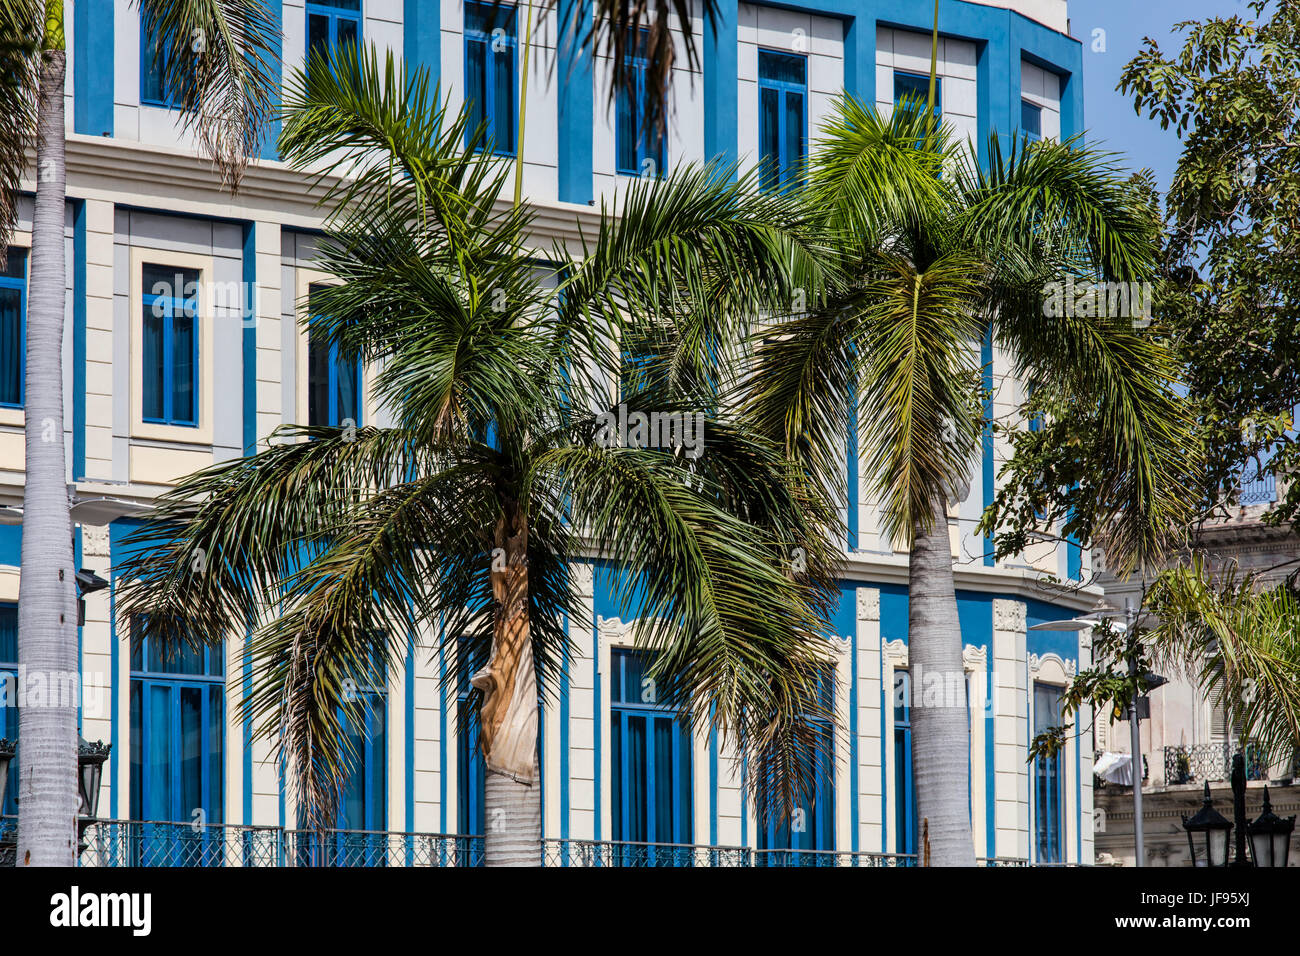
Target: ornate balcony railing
x,y
1257,489
1208,762
133,843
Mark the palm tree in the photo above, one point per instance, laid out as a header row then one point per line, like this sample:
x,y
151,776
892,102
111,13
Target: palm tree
x,y
464,517
214,53
942,256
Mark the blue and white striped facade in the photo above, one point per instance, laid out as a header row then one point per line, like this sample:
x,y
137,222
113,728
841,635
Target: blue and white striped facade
x,y
139,195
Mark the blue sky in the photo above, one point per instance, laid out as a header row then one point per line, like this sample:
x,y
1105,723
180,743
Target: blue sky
x,y
1109,114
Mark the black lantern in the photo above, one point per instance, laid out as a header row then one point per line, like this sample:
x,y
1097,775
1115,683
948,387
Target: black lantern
x,y
1209,831
7,751
90,766
1270,837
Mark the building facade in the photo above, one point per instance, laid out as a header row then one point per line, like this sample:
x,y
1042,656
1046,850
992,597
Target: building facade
x,y
157,387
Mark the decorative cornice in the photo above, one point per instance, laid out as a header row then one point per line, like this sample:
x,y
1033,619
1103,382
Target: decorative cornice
x,y
894,652
974,658
1009,616
1036,663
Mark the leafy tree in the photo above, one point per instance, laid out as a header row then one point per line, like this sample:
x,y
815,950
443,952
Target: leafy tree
x,y
336,546
215,53
939,254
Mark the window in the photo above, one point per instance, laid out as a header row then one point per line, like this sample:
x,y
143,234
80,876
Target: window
x,y
1031,120
490,72
330,23
782,115
170,347
333,383
1048,778
917,86
9,683
13,329
904,789
639,147
470,770
177,749
811,827
650,763
356,837
162,82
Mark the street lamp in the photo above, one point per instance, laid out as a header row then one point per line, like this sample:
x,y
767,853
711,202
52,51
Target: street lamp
x,y
7,751
1210,828
90,767
1270,837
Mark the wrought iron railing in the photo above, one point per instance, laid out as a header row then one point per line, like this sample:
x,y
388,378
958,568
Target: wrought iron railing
x,y
131,843
1202,762
1257,489
134,843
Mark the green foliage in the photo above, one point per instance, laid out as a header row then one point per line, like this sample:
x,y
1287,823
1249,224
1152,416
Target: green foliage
x,y
334,547
1244,639
1230,266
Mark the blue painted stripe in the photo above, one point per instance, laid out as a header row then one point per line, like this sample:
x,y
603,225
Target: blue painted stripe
x,y
854,795
270,149
566,686
713,786
92,67
721,91
410,735
987,492
444,743
78,339
575,106
248,342
422,37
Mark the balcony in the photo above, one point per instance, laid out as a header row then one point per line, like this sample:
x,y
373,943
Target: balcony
x,y
131,843
1211,762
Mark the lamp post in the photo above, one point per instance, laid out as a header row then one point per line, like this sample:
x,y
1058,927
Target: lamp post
x,y
8,834
90,769
1270,837
1210,828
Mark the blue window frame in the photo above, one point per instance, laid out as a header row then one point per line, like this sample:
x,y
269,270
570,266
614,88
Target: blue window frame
x,y
13,328
9,712
782,115
177,753
1048,779
330,23
161,84
904,787
638,145
490,88
650,763
170,348
356,837
470,769
1031,120
333,383
813,826
917,86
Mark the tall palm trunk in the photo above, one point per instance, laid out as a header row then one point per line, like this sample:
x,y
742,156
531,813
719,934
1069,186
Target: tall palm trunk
x,y
508,718
940,725
47,636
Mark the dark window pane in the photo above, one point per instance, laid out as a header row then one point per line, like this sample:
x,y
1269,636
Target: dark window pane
x,y
318,34
347,31
183,403
153,367
794,121
769,124
1031,119
16,265
503,122
782,67
11,346
476,82
8,634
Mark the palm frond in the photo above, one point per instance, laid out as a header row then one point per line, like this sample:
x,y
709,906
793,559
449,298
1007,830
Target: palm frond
x,y
222,59
20,33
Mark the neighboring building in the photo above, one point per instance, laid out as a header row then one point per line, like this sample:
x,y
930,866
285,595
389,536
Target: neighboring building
x,y
1188,739
154,393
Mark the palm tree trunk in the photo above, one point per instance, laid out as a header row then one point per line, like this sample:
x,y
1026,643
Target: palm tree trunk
x,y
508,718
940,725
47,635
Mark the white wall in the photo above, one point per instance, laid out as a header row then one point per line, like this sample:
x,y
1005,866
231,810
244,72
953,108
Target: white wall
x,y
820,39
1042,88
910,52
